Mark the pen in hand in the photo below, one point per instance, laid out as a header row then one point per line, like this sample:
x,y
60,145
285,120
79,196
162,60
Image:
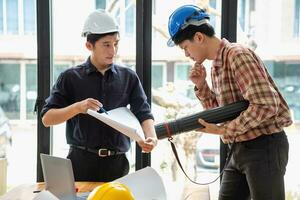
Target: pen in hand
x,y
103,110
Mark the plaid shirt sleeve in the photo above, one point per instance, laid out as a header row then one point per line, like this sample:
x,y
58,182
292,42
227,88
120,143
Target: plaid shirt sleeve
x,y
206,96
254,84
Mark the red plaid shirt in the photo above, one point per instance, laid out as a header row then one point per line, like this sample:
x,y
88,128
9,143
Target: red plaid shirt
x,y
238,73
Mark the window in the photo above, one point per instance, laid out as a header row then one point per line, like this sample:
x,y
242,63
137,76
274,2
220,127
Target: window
x,y
182,72
10,89
213,4
17,17
157,75
129,18
29,8
1,17
181,79
12,17
241,13
246,9
18,85
297,19
100,4
31,90
283,62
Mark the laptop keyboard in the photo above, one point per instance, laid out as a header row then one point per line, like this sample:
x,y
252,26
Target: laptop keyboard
x,y
82,195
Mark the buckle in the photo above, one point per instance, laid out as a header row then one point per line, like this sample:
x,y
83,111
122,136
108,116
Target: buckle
x,y
104,152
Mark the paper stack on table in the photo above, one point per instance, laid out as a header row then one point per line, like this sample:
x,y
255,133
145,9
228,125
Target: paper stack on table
x,y
123,120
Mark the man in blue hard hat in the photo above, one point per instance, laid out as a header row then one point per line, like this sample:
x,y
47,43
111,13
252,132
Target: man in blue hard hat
x,y
256,138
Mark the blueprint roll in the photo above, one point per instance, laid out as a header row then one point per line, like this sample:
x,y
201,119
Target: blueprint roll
x,y
189,123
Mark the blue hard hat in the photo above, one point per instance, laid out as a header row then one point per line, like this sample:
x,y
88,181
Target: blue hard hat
x,y
184,16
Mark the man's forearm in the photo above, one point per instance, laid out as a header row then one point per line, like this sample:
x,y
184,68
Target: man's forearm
x,y
59,115
148,128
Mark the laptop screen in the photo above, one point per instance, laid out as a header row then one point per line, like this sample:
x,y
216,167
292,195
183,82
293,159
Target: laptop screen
x,y
58,176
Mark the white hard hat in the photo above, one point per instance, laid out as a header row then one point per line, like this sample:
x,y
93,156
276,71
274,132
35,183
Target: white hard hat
x,y
99,22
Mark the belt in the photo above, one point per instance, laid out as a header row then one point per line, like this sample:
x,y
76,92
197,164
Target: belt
x,y
100,152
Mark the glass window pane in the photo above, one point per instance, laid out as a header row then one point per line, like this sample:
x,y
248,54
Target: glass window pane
x,y
12,17
29,8
213,7
10,89
100,4
129,17
31,90
157,76
1,16
182,72
297,19
17,94
282,59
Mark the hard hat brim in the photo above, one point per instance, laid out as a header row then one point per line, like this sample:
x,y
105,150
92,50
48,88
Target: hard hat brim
x,y
110,31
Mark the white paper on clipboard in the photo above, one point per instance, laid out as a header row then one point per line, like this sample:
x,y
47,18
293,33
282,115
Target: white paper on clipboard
x,y
123,120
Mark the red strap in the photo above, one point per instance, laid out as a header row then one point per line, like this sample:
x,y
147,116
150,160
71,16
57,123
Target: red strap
x,y
169,134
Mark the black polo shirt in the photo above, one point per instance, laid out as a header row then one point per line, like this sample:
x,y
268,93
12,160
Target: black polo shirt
x,y
118,87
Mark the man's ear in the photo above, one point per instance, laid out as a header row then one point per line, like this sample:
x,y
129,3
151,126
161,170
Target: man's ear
x,y
199,37
89,46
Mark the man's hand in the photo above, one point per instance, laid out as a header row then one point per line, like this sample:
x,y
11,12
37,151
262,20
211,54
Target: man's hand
x,y
198,75
210,128
148,144
88,103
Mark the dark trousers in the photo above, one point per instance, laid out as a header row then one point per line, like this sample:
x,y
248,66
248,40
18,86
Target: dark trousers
x,y
256,169
89,166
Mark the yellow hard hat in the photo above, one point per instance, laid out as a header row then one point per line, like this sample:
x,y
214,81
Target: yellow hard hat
x,y
111,191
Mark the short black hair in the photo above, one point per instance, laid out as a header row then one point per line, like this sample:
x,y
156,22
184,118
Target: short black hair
x,y
189,32
93,38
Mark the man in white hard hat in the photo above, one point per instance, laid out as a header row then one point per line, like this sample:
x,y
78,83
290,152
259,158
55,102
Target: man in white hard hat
x,y
97,151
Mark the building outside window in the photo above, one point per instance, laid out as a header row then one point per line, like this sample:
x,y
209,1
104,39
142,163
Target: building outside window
x,y
100,4
297,19
10,89
1,17
158,75
29,10
17,17
31,90
12,17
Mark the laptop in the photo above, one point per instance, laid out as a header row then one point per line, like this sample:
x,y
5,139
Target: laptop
x,y
59,178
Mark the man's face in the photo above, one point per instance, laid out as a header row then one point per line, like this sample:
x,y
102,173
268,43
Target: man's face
x,y
104,50
194,49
